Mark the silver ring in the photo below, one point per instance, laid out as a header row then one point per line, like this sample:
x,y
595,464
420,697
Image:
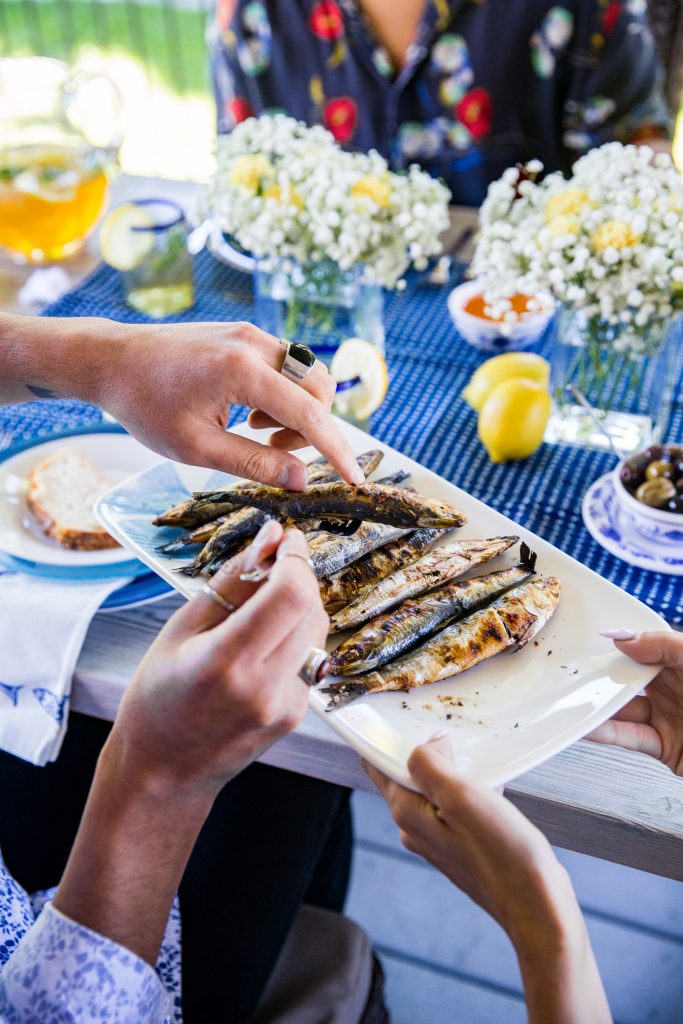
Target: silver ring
x,y
310,670
298,362
226,605
298,554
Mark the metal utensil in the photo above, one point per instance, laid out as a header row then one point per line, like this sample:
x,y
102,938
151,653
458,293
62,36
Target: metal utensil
x,y
585,404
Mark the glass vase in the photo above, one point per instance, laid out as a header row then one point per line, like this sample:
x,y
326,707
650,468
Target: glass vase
x,y
318,304
626,374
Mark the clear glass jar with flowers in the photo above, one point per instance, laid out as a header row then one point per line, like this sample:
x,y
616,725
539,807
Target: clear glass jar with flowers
x,y
608,245
328,229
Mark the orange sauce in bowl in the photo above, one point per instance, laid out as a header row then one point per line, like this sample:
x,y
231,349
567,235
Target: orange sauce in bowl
x,y
476,307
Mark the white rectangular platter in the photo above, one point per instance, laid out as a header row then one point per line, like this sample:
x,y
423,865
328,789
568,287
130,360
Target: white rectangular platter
x,y
506,715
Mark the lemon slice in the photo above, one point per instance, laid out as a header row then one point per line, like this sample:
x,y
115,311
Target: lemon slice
x,y
356,358
121,247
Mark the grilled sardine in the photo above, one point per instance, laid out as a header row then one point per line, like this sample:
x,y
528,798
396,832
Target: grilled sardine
x,y
391,635
433,569
373,503
511,621
350,583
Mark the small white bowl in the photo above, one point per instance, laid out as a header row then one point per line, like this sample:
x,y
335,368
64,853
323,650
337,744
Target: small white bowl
x,y
486,334
654,523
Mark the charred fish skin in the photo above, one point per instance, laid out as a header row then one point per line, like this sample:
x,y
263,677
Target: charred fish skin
x,y
341,588
189,513
374,503
510,621
436,567
239,526
391,635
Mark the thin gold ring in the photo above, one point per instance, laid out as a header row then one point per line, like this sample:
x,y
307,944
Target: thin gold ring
x,y
298,554
226,605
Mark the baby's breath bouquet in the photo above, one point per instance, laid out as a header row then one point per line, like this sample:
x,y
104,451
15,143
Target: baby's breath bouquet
x,y
287,191
607,243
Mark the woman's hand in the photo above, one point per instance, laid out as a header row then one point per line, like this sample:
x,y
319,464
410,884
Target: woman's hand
x,y
172,386
652,724
488,849
215,690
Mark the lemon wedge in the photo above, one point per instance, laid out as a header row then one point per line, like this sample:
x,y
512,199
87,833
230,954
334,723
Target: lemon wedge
x,y
513,419
509,364
121,247
357,358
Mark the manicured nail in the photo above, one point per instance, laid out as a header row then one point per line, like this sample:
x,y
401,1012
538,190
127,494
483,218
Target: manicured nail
x,y
293,476
439,735
619,634
268,532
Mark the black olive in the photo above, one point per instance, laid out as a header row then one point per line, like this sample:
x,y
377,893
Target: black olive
x,y
659,468
656,492
679,485
654,452
630,477
675,504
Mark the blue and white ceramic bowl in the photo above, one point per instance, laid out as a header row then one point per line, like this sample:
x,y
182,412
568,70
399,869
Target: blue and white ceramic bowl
x,y
654,523
486,334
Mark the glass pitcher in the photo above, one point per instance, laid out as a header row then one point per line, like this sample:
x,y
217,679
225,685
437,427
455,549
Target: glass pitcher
x,y
59,137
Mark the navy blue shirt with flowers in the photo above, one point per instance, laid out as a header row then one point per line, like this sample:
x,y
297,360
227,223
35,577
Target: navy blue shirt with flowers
x,y
485,84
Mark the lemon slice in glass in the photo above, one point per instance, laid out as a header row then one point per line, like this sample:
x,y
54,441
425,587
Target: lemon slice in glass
x,y
121,246
357,360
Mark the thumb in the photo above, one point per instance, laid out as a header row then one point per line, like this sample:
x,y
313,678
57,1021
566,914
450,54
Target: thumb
x,y
220,449
431,766
664,648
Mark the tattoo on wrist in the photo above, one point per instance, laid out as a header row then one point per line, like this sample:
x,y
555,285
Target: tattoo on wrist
x,y
41,392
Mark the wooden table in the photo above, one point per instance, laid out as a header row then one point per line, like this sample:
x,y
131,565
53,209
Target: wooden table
x,y
598,800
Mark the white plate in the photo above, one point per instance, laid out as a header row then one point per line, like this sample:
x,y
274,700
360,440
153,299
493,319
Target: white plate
x,y
504,716
112,451
611,526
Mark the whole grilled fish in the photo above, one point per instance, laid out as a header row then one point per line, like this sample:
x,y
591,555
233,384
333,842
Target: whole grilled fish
x,y
237,527
433,569
390,635
374,503
348,584
511,621
191,513
200,535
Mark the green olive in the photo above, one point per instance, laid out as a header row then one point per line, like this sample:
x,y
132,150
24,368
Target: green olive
x,y
656,492
659,468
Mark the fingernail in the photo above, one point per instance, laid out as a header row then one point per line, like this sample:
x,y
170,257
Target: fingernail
x,y
358,476
439,735
268,532
293,477
619,634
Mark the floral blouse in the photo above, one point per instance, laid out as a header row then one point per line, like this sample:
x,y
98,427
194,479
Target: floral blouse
x,y
486,83
56,971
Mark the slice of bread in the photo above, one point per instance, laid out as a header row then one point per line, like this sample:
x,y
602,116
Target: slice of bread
x,y
63,489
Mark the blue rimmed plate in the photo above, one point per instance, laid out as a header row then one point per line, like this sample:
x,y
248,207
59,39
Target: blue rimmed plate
x,y
616,531
116,454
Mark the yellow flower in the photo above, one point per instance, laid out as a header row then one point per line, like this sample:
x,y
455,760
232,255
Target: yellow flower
x,y
567,203
275,192
564,224
248,171
371,186
615,234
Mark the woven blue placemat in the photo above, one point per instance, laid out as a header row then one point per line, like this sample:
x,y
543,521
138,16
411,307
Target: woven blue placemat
x,y
423,416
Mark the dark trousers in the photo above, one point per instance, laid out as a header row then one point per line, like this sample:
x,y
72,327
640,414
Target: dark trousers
x,y
273,840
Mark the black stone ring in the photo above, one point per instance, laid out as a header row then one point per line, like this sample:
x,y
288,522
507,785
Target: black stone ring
x,y
298,362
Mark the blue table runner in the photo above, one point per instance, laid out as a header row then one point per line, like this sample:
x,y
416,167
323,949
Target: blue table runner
x,y
423,416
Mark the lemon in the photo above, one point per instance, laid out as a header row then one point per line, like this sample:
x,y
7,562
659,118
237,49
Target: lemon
x,y
513,419
121,247
356,358
500,368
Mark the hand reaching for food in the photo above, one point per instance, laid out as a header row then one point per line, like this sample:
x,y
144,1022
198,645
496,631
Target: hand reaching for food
x,y
486,847
651,724
172,386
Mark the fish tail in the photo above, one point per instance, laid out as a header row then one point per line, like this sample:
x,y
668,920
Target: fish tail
x,y
192,570
340,696
174,545
527,557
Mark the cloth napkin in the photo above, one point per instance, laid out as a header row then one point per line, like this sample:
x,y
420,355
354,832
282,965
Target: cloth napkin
x,y
42,628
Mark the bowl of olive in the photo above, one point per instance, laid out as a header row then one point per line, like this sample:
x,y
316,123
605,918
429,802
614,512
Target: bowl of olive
x,y
649,487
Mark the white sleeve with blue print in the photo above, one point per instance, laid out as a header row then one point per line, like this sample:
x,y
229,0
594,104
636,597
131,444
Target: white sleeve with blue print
x,y
55,971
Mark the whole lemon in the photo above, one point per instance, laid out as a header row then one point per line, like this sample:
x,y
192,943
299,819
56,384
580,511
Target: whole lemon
x,y
513,419
509,364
